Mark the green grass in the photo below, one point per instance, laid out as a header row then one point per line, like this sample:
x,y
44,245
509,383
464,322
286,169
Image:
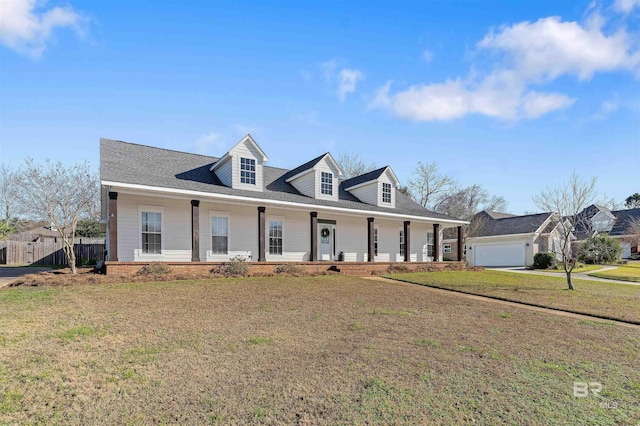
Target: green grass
x,y
577,270
617,301
208,352
629,272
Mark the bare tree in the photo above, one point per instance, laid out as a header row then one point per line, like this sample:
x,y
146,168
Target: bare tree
x,y
9,190
609,203
632,231
464,203
566,201
62,195
352,165
429,187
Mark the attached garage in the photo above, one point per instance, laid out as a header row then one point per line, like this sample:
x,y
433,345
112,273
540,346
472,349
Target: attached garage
x,y
509,254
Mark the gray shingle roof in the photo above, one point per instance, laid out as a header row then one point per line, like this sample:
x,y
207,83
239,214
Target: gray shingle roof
x,y
498,215
366,177
623,220
306,166
130,163
512,225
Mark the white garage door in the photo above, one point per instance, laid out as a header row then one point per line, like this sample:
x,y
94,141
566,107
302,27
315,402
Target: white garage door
x,y
626,250
499,255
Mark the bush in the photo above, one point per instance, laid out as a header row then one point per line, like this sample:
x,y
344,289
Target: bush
x,y
290,269
600,249
544,260
397,268
236,267
154,269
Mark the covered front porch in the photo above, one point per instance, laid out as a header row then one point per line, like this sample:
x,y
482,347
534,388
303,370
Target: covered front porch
x,y
147,228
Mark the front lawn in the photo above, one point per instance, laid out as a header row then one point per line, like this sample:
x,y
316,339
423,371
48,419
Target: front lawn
x,y
630,272
323,350
617,301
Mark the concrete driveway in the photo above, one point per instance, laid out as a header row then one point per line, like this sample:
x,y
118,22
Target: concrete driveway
x,y
10,273
574,275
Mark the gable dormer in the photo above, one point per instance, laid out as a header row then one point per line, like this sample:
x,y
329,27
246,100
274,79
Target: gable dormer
x,y
377,187
242,166
318,178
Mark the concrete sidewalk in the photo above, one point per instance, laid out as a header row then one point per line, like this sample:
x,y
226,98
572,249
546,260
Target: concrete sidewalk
x,y
574,275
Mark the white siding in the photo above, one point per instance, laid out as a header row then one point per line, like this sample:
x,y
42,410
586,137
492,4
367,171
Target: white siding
x,y
324,166
176,235
385,178
296,235
367,193
306,184
246,150
224,172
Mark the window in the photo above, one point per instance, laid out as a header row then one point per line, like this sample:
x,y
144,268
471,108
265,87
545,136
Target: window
x,y
386,193
152,232
375,241
430,245
326,185
447,248
247,170
402,242
219,234
275,237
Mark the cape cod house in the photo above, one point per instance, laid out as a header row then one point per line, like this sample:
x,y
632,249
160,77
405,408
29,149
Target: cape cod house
x,y
162,205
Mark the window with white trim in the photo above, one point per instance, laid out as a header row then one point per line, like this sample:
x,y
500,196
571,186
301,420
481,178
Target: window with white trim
x,y
326,183
430,244
386,193
248,171
275,237
151,232
375,241
219,234
447,248
402,242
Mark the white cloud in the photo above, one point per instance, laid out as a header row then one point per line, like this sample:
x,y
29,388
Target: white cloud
x,y
626,6
208,143
528,54
347,80
329,68
27,31
427,56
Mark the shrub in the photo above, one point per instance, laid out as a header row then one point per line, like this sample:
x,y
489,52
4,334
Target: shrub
x,y
397,268
236,267
290,269
544,260
600,249
155,269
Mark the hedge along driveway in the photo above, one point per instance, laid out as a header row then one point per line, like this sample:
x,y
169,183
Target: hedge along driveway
x,y
616,301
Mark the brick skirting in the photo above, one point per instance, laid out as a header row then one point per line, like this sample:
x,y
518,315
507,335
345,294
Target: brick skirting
x,y
347,268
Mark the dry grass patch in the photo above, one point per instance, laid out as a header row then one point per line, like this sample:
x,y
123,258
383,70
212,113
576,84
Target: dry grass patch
x,y
207,352
617,301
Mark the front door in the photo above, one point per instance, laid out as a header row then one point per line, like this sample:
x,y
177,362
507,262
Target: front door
x,y
326,233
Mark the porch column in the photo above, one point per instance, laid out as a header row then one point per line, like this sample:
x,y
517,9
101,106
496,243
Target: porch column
x,y
370,242
436,242
407,241
195,230
460,243
261,231
313,256
113,226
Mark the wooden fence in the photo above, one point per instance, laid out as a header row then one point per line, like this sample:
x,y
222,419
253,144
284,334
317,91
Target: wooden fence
x,y
87,250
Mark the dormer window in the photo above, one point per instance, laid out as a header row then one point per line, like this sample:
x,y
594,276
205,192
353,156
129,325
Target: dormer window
x,y
326,186
248,171
386,193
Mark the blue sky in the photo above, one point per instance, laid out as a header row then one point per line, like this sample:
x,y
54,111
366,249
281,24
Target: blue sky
x,y
509,95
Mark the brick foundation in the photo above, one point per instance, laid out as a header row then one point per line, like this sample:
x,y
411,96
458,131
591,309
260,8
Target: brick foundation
x,y
347,268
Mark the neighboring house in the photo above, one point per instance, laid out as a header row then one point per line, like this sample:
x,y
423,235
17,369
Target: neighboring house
x,y
595,220
39,234
164,205
502,239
